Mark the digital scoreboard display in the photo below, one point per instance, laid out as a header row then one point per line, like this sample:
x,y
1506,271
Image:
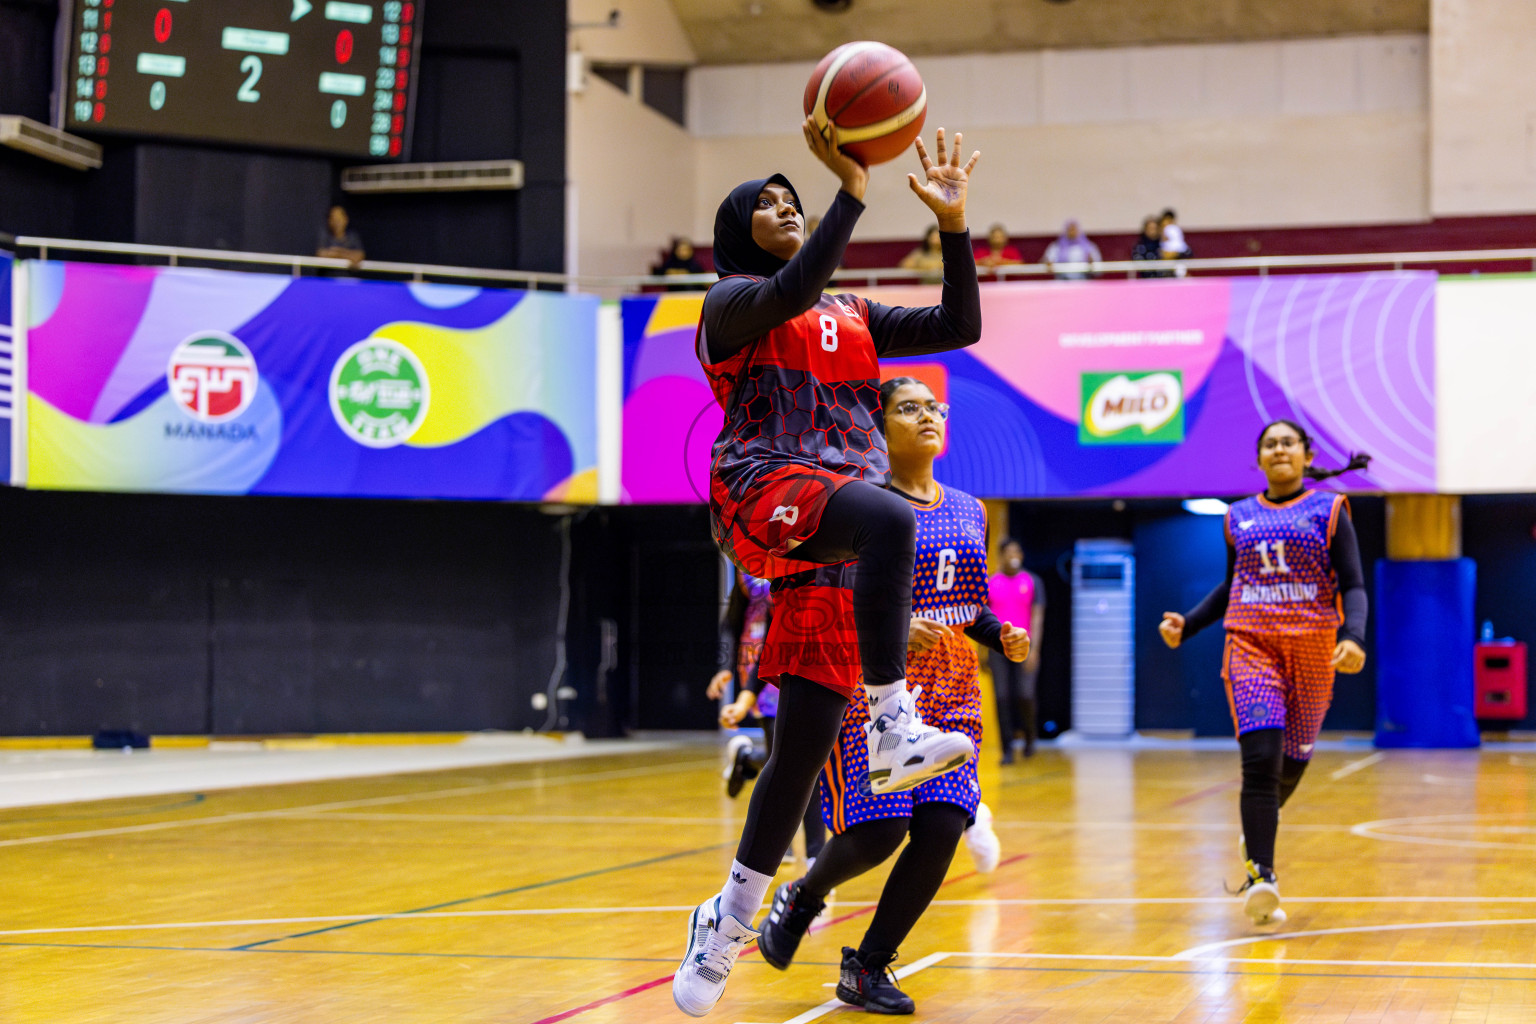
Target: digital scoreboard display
x,y
322,75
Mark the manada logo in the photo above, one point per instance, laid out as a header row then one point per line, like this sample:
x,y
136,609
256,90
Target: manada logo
x,y
1132,408
379,393
212,376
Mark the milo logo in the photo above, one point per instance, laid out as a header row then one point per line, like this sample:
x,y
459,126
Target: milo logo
x,y
379,393
212,376
1132,408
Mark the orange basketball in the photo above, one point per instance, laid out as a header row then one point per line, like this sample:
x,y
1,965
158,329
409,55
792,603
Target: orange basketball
x,y
875,97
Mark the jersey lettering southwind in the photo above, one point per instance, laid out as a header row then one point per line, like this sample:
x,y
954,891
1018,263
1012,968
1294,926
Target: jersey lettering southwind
x,y
1283,580
807,393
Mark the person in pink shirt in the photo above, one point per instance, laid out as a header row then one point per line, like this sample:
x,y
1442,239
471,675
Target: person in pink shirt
x,y
1016,595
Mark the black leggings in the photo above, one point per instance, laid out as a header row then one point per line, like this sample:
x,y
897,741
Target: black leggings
x,y
815,828
809,718
1269,779
935,828
879,529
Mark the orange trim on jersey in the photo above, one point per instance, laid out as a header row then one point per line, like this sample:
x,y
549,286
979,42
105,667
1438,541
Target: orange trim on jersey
x,y
1339,502
1226,678
1282,504
835,785
935,503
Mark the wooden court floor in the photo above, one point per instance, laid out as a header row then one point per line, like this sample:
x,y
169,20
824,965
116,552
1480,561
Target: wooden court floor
x,y
549,892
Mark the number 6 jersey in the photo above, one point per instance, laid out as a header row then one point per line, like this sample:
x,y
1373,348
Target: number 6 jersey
x,y
1283,579
949,583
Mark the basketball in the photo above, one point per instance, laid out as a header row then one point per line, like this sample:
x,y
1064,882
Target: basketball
x,y
874,96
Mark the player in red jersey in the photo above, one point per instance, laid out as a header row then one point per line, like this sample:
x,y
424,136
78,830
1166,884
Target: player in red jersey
x,y
1295,606
796,483
949,597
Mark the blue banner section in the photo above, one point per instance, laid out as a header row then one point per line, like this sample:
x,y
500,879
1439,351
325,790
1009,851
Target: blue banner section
x,y
1424,651
167,379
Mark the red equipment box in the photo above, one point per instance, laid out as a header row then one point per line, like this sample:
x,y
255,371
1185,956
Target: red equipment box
x,y
1499,679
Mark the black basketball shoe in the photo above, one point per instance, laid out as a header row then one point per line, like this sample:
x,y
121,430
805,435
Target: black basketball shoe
x,y
789,919
868,981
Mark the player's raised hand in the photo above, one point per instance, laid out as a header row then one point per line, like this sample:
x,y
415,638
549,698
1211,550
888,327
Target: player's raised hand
x,y
943,185
1348,657
924,633
853,175
1015,642
1172,628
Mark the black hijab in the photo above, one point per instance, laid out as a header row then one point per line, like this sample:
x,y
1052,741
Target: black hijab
x,y
735,251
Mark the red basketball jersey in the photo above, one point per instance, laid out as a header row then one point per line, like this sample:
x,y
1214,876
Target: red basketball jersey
x,y
806,393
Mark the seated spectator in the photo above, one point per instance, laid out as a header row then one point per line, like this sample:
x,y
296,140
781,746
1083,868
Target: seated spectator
x,y
1173,244
998,252
337,240
928,257
680,259
1071,246
1150,246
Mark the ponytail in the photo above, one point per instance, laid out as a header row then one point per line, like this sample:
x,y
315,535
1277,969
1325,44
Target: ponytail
x,y
1357,460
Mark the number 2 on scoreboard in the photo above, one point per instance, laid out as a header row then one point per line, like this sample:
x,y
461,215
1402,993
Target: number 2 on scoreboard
x,y
251,65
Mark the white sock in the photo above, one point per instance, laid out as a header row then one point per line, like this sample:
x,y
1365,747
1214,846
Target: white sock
x,y
876,694
743,894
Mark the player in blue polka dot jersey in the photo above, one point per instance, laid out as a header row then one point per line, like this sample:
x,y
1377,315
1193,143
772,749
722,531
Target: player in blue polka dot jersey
x,y
1294,608
949,604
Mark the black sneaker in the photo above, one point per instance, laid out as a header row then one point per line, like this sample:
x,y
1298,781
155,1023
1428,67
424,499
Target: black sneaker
x,y
868,981
738,765
789,919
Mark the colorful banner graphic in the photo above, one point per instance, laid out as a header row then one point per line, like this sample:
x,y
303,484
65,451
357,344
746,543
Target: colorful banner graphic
x,y
1349,357
165,379
7,369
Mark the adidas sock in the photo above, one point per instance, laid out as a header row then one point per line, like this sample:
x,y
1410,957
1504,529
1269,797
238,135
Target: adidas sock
x,y
743,894
876,694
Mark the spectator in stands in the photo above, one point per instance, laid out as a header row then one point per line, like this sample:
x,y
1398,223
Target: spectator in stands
x,y
1150,246
998,252
928,257
1173,244
338,240
1071,246
680,259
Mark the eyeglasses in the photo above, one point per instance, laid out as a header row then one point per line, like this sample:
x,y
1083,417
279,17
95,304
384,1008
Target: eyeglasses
x,y
911,410
1285,441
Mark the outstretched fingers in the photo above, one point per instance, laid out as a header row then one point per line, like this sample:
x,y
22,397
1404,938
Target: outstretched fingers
x,y
970,165
922,156
938,144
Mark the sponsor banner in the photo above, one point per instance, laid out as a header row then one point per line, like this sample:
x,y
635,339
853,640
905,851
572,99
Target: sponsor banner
x,y
1348,356
168,379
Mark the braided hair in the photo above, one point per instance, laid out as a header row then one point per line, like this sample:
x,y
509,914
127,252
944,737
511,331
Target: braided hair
x,y
1357,460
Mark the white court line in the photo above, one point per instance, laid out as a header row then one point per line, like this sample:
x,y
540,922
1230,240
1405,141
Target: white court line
x,y
1355,766
836,1004
680,909
1368,830
339,805
1209,948
1180,958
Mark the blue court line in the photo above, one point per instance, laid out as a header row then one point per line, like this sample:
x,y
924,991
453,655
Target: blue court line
x,y
490,895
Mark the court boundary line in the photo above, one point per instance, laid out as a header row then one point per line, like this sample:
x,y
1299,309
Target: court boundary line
x,y
376,801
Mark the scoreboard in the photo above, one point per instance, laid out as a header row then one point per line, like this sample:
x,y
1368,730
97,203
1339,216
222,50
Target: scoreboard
x,y
330,76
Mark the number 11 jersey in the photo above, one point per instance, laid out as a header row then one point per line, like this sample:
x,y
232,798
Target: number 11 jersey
x,y
1283,580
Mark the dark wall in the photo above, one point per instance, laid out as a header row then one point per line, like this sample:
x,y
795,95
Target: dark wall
x,y
261,615
491,86
1497,531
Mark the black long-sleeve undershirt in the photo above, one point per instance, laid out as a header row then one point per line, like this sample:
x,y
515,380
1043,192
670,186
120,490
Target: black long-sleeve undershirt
x,y
1343,554
739,310
731,624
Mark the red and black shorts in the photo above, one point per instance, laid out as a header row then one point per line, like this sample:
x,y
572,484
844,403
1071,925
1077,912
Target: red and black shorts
x,y
757,529
812,633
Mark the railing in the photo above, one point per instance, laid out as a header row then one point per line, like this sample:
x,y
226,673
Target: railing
x,y
533,280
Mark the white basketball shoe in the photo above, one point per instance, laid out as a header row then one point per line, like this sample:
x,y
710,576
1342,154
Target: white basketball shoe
x,y
982,841
713,945
903,752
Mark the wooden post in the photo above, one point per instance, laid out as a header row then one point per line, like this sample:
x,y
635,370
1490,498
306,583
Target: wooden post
x,y
1423,527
